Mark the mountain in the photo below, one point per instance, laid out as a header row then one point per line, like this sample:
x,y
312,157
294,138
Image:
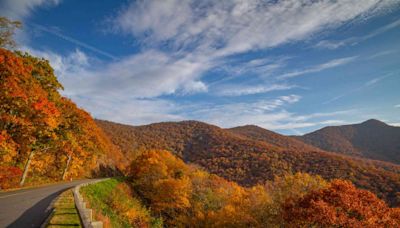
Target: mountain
x,y
246,161
264,135
370,139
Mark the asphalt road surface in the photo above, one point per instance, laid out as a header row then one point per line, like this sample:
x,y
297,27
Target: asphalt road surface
x,y
30,207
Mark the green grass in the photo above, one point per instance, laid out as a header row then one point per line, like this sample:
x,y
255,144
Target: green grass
x,y
97,196
65,213
112,200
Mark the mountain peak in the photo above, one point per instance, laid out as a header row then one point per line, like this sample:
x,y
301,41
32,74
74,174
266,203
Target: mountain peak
x,y
373,122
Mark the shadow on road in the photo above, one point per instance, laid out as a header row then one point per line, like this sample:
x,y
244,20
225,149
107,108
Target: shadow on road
x,y
34,216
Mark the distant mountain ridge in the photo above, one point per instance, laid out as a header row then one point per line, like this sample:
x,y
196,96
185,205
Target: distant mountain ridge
x,y
370,139
260,134
250,158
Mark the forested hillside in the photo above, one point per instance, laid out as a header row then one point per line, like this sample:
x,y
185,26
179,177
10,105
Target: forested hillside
x,y
44,136
264,135
249,162
370,139
186,196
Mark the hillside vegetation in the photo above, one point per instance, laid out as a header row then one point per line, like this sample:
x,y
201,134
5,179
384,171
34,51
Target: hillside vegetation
x,y
44,136
250,162
182,195
370,139
115,203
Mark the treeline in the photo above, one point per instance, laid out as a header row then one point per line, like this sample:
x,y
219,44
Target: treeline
x,y
186,196
43,135
250,162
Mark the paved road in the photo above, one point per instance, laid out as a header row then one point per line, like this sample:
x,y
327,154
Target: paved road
x,y
30,207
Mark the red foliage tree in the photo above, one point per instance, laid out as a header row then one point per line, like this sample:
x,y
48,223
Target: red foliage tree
x,y
340,205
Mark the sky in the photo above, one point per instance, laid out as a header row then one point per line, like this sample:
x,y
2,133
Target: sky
x,y
291,66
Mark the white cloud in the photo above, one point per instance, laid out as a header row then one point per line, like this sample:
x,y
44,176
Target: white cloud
x,y
374,81
325,114
209,30
360,88
129,110
397,106
333,122
380,54
199,33
331,44
334,44
260,67
269,114
224,27
327,65
240,90
19,9
143,75
148,74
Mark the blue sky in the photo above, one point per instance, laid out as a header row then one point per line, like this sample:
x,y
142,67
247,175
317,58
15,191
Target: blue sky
x,y
291,66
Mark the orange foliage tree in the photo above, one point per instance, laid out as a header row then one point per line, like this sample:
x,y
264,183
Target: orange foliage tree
x,y
27,111
161,179
41,131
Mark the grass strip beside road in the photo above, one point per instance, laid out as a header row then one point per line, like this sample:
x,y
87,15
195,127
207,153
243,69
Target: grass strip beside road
x,y
65,213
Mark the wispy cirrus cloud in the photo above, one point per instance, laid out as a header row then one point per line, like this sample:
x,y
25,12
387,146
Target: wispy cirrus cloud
x,y
185,39
79,43
381,54
365,85
334,44
198,35
223,28
240,90
22,9
19,9
257,68
317,68
270,114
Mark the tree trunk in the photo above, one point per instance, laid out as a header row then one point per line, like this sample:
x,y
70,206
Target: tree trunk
x,y
66,168
26,169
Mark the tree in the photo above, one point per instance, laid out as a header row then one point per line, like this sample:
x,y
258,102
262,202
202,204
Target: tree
x,y
27,111
42,132
340,205
162,180
7,30
288,187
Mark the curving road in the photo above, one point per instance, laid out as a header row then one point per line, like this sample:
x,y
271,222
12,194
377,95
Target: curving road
x,y
30,207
